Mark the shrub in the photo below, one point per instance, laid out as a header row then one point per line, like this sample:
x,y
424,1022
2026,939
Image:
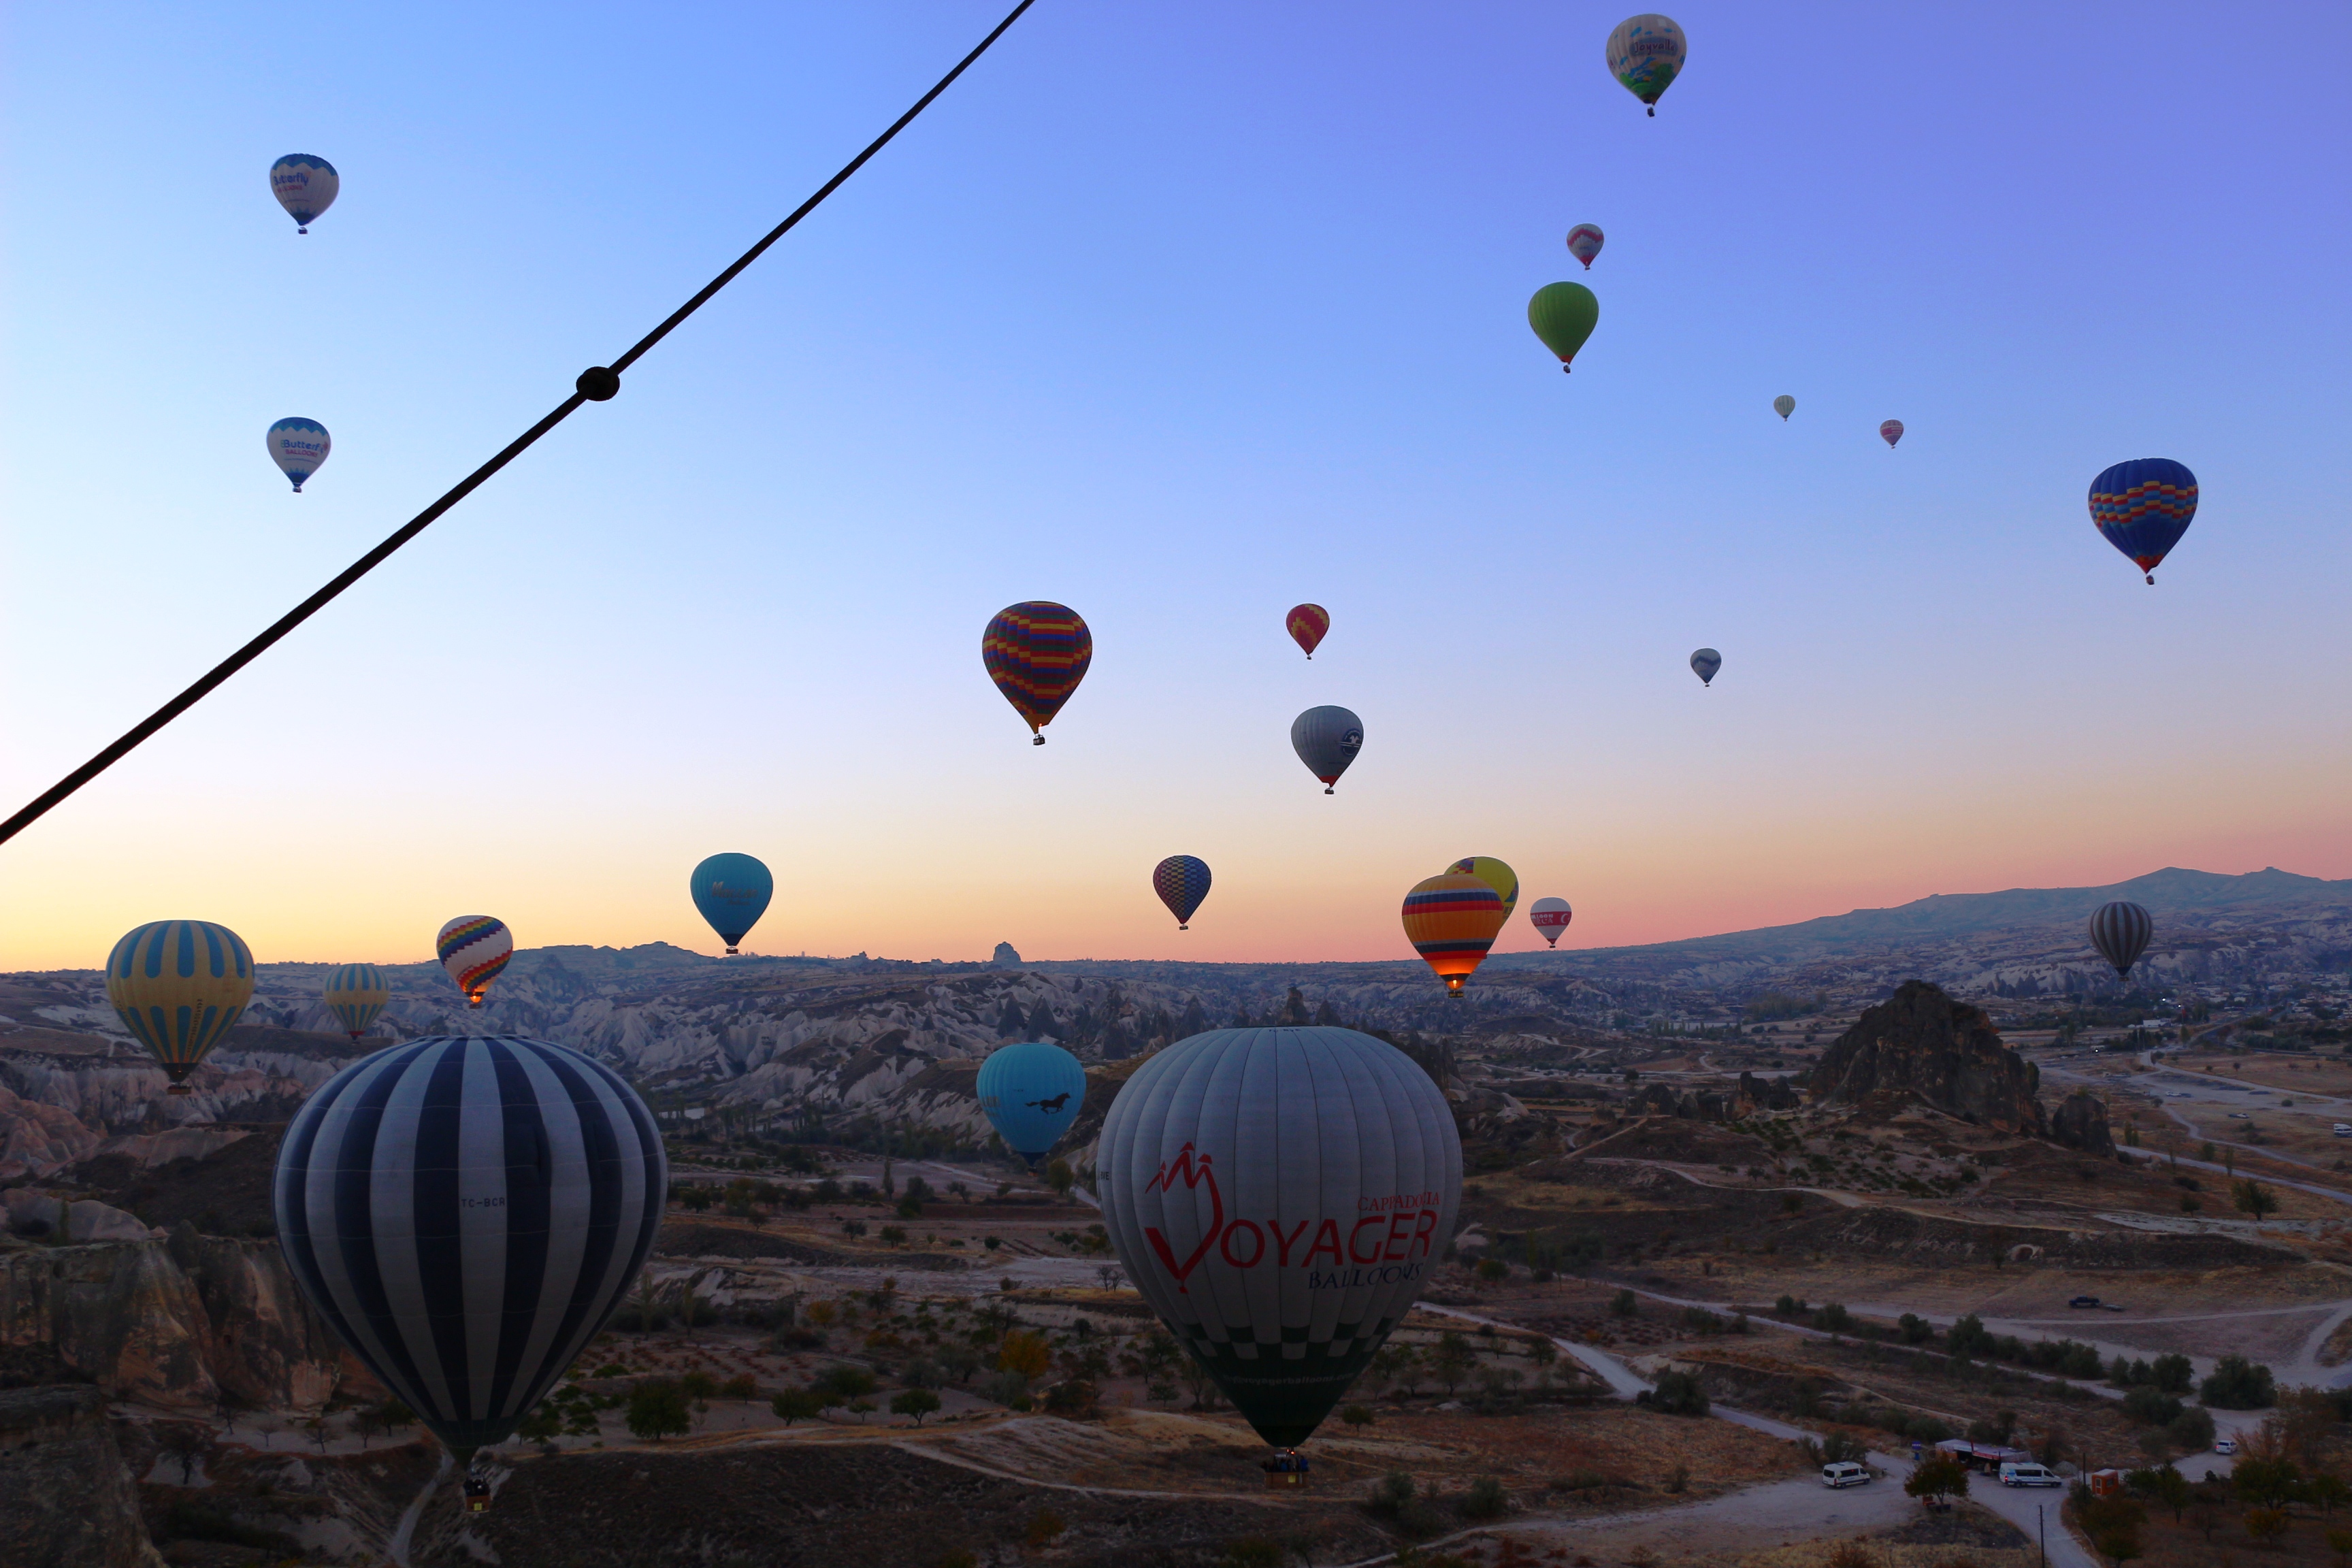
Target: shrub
x,y
2144,1406
2192,1429
794,1404
2266,1524
1357,1415
1043,1526
1835,1318
1492,1268
1788,1307
1678,1394
2239,1384
658,1410
1624,1305
1484,1500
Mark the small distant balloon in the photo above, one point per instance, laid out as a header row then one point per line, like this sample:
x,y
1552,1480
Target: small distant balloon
x,y
2120,931
1036,652
473,949
1646,54
304,186
1584,243
1451,922
1563,315
1890,431
2143,507
731,891
1550,916
1706,662
298,447
1181,882
355,993
1308,625
178,987
1495,875
1327,740
1784,405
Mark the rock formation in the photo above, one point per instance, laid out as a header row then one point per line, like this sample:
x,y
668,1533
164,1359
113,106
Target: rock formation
x,y
1921,1044
2081,1122
1005,957
66,1499
1751,1095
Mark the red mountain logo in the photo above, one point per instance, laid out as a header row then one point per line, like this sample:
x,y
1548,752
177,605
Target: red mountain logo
x,y
1193,1172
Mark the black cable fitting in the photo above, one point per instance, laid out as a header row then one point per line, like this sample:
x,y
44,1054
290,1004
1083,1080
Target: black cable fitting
x,y
599,383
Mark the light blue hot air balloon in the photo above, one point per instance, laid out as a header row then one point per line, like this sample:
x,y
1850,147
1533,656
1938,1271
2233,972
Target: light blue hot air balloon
x,y
1030,1093
298,447
732,892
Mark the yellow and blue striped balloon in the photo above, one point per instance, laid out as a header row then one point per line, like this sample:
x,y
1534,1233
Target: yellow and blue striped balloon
x,y
355,994
179,986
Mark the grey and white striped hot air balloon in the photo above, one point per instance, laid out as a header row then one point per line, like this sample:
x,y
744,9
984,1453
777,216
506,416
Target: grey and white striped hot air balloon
x,y
1327,740
2120,931
467,1213
1280,1196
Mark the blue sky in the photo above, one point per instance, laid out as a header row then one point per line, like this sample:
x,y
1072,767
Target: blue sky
x,y
1179,314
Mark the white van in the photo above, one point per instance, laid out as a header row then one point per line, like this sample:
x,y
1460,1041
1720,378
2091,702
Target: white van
x,y
1844,1473
2343,1129
2027,1476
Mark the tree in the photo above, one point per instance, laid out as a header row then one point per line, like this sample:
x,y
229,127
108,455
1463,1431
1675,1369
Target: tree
x,y
742,1386
2266,1525
2249,1196
541,1425
2120,1544
2339,1541
2171,1488
2265,1483
915,1402
658,1410
1025,1352
2173,1373
2239,1384
1452,1361
186,1442
2328,1491
1678,1394
1059,1176
1935,1478
794,1404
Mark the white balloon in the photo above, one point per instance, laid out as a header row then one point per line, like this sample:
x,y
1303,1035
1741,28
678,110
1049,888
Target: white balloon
x,y
298,447
304,186
1550,916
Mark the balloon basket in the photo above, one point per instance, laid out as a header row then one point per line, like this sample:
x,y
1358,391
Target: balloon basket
x,y
1037,741
179,1089
1283,1481
734,952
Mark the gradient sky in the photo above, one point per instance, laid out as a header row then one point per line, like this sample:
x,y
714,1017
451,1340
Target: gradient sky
x,y
1179,313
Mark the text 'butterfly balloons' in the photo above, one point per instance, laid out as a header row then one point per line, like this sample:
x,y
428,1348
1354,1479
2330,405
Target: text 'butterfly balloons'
x,y
298,447
1327,740
473,949
1550,916
2143,507
1036,652
1181,882
304,186
1646,53
178,987
1584,243
1308,625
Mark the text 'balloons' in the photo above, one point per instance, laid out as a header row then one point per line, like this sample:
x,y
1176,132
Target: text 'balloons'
x,y
1036,652
2143,507
473,949
1307,625
298,447
466,1215
731,891
1030,1093
1451,922
1550,916
304,186
1563,315
2120,931
1645,54
178,987
1584,242
355,993
1784,405
1327,740
1280,1197
1181,882
1705,663
1495,875
1890,431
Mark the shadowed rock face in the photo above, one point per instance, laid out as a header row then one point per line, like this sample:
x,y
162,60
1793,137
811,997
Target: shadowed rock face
x,y
66,1501
2081,1122
1946,1054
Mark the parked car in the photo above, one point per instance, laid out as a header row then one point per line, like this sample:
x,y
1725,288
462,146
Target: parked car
x,y
2225,1445
2342,1129
1844,1473
2239,1115
2084,1301
2027,1476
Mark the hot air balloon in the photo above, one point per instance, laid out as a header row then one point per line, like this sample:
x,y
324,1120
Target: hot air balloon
x,y
1327,740
298,447
473,949
2120,931
1036,652
1181,882
304,186
355,993
1705,663
2143,508
1550,916
1584,243
178,987
1646,54
1784,405
1451,922
1890,431
1030,1093
1563,315
1280,1197
732,892
466,1215
1307,625
1495,875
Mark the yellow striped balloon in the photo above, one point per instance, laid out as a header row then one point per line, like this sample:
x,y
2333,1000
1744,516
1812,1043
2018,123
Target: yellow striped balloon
x,y
355,993
179,986
1451,922
1495,875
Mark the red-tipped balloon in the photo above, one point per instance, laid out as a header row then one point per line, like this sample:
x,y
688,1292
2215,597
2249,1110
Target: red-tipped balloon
x,y
1307,625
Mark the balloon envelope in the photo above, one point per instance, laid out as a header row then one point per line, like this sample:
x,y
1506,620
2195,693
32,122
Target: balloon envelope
x,y
179,987
1550,916
2143,507
1030,1093
1705,663
473,949
1181,882
304,186
1784,405
298,447
1563,315
465,1213
1584,243
1646,53
1327,740
1890,431
1451,922
732,892
1495,875
1280,1196
1307,624
1036,652
2120,931
355,993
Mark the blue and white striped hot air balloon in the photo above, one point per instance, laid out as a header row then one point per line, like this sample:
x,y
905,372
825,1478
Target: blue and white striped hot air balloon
x,y
298,447
304,186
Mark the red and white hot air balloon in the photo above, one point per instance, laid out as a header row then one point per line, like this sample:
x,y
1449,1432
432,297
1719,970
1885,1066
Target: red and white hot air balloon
x,y
1891,432
1307,625
1584,243
1550,916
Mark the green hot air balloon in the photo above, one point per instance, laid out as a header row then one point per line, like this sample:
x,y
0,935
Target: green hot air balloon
x,y
1563,315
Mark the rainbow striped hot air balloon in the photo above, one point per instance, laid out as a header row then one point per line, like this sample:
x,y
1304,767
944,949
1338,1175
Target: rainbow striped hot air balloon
x,y
355,994
178,987
1181,882
1036,652
1451,922
473,949
2143,507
